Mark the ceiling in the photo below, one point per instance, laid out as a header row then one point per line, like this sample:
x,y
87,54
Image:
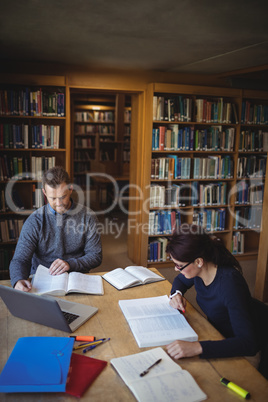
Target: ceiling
x,y
187,36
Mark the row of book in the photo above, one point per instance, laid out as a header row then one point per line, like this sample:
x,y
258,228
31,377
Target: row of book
x,y
157,250
10,200
35,136
28,102
83,155
238,243
95,116
251,166
10,229
13,202
185,109
38,198
14,166
84,142
6,255
249,193
253,140
94,128
82,167
209,193
174,167
253,113
25,168
164,222
247,218
219,111
213,167
174,138
191,194
210,219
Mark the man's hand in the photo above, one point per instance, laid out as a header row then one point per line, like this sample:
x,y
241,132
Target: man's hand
x,y
58,267
179,349
23,285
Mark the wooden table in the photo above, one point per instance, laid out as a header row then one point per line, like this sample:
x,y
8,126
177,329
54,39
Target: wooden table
x,y
110,322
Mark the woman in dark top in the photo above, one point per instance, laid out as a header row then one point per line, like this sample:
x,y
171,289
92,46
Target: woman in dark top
x,y
221,292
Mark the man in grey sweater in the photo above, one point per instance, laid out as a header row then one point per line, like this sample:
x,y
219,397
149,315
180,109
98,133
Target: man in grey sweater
x,y
61,235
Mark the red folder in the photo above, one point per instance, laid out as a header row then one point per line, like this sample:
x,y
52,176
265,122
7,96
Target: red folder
x,y
83,371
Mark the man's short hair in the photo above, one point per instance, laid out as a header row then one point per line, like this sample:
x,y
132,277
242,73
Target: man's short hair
x,y
55,176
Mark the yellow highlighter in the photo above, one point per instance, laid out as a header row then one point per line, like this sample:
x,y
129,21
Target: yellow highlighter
x,y
240,391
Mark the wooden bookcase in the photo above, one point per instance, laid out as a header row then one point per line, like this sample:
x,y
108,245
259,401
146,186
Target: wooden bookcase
x,y
239,220
101,137
32,138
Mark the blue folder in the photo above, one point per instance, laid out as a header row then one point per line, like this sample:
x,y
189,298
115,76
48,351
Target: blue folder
x,y
37,364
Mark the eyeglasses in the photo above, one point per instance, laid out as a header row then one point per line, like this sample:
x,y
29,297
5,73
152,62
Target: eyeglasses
x,y
184,266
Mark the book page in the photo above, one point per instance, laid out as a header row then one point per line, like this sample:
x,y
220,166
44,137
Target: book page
x,y
154,322
164,382
44,283
147,307
143,274
130,367
157,331
82,283
171,387
120,278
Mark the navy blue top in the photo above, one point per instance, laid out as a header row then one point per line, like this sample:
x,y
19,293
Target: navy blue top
x,y
227,304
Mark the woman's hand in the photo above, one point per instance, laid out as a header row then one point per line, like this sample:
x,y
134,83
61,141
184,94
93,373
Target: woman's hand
x,y
178,302
180,349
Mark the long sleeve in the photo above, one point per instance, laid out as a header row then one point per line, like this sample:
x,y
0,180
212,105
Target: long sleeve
x,y
73,237
229,310
182,284
20,265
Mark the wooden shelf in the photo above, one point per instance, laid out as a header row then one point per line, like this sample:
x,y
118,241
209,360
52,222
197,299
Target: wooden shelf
x,y
14,157
209,94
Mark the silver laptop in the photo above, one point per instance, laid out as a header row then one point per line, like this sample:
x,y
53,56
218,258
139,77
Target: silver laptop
x,y
46,310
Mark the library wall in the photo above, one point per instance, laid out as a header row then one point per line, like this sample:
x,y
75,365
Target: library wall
x,y
133,82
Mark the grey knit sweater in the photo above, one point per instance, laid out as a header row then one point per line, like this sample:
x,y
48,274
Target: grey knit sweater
x,y
46,236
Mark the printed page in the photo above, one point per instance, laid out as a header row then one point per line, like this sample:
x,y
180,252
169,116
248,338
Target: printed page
x,y
143,274
82,283
44,283
164,382
158,331
154,322
120,278
147,307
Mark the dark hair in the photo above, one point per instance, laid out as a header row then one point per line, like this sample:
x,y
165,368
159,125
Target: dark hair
x,y
190,242
55,176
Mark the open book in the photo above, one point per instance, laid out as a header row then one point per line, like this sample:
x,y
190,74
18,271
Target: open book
x,y
131,276
154,322
60,285
165,382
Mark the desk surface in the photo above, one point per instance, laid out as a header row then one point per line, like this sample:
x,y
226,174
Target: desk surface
x,y
110,322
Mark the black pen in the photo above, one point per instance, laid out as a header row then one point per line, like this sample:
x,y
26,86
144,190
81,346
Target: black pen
x,y
149,368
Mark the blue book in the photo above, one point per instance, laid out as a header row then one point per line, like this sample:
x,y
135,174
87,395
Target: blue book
x,y
37,364
153,140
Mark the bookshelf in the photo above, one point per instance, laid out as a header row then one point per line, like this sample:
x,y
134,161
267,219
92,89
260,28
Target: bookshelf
x,y
32,139
198,168
101,125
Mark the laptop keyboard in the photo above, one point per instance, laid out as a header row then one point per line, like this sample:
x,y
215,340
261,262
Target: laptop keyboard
x,y
69,316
